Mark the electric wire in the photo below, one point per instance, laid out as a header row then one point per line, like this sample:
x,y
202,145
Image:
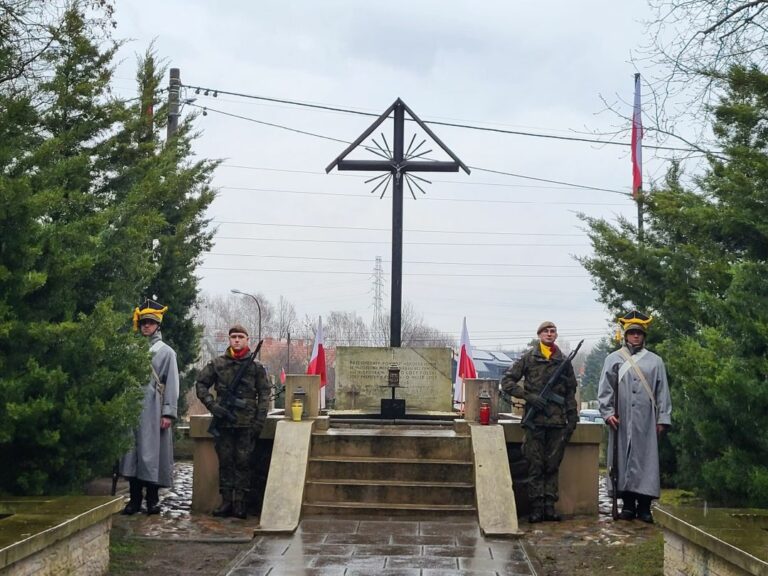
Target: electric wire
x,y
441,123
324,137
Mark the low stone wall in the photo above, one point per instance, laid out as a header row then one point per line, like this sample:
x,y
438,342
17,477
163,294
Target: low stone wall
x,y
714,542
54,536
579,471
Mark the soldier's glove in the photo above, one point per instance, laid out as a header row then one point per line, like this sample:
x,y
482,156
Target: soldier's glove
x,y
218,411
536,401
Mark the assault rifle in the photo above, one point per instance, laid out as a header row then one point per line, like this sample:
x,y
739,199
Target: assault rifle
x,y
613,472
229,401
547,393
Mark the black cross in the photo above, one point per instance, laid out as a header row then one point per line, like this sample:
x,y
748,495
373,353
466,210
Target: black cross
x,y
397,164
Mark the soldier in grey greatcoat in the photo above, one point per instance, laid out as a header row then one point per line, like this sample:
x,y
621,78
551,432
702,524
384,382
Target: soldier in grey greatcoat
x,y
149,465
544,444
238,427
642,416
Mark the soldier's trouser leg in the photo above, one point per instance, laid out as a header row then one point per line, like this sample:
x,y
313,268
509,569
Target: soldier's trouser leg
x,y
243,456
225,450
554,449
533,451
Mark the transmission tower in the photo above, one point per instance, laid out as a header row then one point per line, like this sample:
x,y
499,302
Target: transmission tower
x,y
378,291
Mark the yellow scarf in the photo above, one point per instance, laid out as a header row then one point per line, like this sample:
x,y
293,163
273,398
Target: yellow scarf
x,y
546,351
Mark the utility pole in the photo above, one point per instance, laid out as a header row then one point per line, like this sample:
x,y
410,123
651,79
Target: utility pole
x,y
288,360
174,90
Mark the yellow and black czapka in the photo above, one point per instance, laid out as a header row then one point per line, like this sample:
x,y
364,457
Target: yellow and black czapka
x,y
635,320
148,310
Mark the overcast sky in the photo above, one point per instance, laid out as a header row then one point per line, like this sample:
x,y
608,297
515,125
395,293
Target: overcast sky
x,y
497,249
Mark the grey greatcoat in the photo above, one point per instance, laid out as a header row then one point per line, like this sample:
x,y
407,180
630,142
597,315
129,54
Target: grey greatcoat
x,y
151,458
638,416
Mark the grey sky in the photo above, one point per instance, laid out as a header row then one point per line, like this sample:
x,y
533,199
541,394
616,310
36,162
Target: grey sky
x,y
517,65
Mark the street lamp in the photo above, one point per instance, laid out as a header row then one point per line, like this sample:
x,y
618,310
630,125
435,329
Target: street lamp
x,y
258,306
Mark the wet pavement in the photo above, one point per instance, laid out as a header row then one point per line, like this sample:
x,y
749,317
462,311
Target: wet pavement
x,y
350,546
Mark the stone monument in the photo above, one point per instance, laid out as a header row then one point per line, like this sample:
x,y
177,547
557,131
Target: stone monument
x,y
425,378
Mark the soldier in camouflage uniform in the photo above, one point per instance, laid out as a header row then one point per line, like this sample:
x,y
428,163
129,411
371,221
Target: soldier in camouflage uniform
x,y
237,438
544,445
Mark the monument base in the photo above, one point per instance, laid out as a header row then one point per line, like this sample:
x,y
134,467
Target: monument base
x,y
392,408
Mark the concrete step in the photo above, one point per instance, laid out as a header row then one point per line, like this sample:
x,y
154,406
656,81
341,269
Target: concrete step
x,y
389,509
392,443
390,492
372,468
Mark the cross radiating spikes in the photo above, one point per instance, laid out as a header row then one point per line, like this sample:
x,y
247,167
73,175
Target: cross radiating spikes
x,y
396,165
384,179
412,179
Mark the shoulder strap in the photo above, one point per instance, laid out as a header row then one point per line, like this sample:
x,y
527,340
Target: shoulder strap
x,y
625,353
159,384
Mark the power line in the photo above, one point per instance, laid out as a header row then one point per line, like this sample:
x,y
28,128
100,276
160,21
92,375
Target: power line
x,y
306,133
564,186
435,274
320,226
441,123
426,198
422,262
326,241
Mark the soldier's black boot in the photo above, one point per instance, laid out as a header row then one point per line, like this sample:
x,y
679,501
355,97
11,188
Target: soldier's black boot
x,y
134,504
224,510
153,499
549,514
644,509
239,506
537,512
628,507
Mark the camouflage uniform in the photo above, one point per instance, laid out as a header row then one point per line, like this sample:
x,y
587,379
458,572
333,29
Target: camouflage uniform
x,y
543,446
236,442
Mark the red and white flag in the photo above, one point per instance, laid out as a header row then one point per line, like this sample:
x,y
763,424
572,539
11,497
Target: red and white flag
x,y
282,375
465,367
317,361
637,142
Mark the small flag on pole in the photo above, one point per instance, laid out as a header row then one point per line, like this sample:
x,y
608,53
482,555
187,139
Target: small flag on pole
x,y
317,361
465,367
282,375
637,142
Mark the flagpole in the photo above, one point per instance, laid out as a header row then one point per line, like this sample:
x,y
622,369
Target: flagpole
x,y
637,157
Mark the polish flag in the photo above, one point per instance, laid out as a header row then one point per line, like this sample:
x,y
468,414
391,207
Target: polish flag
x,y
317,362
637,142
282,375
465,367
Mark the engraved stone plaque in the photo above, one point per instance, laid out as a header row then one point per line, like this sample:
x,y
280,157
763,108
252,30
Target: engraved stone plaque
x,y
362,376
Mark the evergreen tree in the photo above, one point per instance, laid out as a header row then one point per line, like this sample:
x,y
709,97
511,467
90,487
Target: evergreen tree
x,y
702,271
593,368
95,213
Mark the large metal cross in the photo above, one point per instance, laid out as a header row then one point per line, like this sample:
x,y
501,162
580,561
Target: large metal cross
x,y
396,165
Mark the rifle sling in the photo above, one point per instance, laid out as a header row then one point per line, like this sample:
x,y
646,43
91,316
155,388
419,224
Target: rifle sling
x,y
235,384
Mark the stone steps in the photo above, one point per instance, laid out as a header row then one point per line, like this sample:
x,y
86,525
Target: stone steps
x,y
386,492
372,468
384,443
387,509
390,470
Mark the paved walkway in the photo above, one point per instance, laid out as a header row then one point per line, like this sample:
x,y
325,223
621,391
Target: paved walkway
x,y
350,546
383,547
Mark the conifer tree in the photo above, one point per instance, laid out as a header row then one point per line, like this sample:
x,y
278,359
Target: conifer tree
x,y
95,213
703,273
